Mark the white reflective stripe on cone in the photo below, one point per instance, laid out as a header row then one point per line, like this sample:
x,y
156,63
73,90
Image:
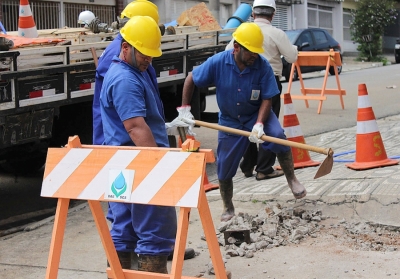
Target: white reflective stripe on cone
x,y
288,109
292,132
363,102
367,127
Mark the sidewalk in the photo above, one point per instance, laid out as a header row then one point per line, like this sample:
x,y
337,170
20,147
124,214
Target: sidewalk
x,y
350,64
342,185
370,195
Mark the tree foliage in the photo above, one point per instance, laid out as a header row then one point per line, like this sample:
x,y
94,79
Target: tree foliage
x,y
369,22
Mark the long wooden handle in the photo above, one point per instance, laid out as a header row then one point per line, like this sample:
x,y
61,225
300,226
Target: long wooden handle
x,y
326,151
95,59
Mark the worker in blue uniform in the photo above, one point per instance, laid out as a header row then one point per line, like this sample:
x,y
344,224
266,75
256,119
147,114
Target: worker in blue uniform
x,y
127,257
132,115
245,84
135,8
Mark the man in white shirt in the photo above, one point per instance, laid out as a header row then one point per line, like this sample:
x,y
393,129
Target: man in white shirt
x,y
276,44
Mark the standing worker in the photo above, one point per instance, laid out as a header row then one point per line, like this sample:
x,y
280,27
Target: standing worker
x,y
135,8
128,257
131,112
276,44
245,85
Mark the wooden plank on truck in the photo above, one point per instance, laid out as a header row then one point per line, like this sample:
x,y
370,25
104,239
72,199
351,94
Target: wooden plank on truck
x,y
199,15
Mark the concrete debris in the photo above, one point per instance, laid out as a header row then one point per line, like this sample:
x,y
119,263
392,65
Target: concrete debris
x,y
276,226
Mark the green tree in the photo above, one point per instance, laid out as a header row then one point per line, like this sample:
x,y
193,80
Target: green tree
x,y
369,22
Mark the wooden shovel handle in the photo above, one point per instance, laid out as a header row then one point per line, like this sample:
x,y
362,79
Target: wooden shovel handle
x,y
94,54
326,151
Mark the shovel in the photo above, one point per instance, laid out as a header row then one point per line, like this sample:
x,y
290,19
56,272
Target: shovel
x,y
324,169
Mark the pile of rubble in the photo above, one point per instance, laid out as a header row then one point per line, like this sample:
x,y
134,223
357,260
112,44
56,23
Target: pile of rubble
x,y
275,226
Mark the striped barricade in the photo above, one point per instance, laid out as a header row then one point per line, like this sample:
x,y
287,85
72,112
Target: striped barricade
x,y
157,176
317,58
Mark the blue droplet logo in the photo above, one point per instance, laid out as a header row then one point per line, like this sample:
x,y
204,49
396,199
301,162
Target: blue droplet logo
x,y
119,185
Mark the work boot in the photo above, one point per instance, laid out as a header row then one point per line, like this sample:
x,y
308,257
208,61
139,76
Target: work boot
x,y
286,162
152,263
189,254
226,190
128,260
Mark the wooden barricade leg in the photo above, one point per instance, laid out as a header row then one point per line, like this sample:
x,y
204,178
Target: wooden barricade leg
x,y
302,86
106,240
339,87
57,238
324,84
211,238
180,243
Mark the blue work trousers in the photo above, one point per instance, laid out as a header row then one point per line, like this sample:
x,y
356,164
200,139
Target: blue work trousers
x,y
232,147
143,229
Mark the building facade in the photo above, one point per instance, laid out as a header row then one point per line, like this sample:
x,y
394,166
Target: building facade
x,y
57,14
331,15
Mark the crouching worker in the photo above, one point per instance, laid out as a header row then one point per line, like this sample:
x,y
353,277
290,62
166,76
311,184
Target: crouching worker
x,y
245,84
132,115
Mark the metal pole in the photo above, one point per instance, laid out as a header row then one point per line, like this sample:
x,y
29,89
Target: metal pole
x,y
62,15
214,8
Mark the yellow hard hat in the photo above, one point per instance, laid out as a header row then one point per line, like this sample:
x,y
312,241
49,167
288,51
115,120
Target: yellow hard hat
x,y
141,8
143,33
249,35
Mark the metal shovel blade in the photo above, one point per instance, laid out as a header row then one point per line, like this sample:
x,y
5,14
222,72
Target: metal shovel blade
x,y
326,166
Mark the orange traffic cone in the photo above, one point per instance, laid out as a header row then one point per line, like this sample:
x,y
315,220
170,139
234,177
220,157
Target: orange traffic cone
x,y
370,152
206,183
293,132
26,23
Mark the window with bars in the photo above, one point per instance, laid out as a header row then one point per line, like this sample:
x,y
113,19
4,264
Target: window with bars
x,y
106,14
48,15
320,17
347,20
280,19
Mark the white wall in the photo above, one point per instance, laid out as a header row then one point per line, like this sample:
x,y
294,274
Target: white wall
x,y
300,16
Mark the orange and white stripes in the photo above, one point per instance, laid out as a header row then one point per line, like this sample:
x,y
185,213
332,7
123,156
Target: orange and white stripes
x,y
291,125
370,151
26,23
366,122
160,177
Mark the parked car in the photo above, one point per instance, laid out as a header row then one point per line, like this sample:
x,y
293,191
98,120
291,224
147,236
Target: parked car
x,y
310,39
397,51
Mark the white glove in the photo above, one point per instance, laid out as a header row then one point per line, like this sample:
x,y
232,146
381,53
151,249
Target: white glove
x,y
256,133
186,116
172,127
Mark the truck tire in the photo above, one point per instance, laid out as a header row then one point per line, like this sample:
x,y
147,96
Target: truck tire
x,y
75,119
196,103
25,165
339,68
172,141
287,74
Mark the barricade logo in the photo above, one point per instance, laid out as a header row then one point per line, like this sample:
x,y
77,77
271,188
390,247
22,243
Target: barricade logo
x,y
120,185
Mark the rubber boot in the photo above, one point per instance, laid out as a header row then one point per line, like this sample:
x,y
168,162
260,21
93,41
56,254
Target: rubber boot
x,y
226,190
189,254
286,162
128,260
156,264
